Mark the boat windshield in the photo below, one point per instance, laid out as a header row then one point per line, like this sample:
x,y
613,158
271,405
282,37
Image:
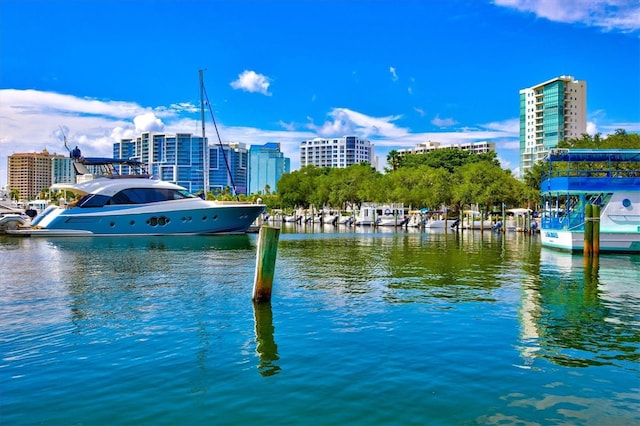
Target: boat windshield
x,y
135,196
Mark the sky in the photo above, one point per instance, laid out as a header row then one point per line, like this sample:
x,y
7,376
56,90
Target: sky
x,y
397,72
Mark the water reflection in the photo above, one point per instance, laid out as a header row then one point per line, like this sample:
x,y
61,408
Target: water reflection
x,y
410,267
266,346
123,273
582,312
171,243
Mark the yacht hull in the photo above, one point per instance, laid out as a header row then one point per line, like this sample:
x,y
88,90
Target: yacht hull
x,y
169,218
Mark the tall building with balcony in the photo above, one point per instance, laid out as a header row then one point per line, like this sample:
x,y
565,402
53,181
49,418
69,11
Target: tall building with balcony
x,y
62,170
179,159
267,164
30,173
550,112
228,167
339,152
173,158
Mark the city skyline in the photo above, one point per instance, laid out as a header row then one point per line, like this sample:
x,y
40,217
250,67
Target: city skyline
x,y
287,71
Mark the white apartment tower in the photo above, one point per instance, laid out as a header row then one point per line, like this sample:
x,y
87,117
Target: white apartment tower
x,y
340,152
549,113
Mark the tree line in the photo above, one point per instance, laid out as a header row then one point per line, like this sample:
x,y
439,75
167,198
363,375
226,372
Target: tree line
x,y
445,177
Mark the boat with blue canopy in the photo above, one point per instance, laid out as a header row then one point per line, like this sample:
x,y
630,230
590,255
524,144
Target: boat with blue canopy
x,y
575,178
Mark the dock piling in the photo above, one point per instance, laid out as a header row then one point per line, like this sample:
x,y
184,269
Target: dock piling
x,y
265,263
588,230
595,231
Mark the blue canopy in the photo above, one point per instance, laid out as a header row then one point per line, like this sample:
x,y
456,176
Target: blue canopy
x,y
593,155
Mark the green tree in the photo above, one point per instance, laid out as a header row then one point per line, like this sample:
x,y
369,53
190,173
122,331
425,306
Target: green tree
x,y
393,159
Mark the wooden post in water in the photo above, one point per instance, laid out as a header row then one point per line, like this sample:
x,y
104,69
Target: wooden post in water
x,y
595,219
588,230
265,263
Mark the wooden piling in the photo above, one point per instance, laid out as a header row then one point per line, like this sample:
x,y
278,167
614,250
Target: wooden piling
x,y
588,230
265,263
595,219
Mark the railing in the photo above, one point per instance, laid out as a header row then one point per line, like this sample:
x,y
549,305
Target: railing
x,y
574,222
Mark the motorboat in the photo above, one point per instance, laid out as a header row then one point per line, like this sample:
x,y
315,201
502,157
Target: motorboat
x,y
520,220
371,214
12,217
576,178
473,219
110,203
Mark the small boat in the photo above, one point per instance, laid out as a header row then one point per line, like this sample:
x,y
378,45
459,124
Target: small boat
x,y
371,214
391,215
610,180
109,203
365,216
416,219
473,219
436,219
12,217
519,219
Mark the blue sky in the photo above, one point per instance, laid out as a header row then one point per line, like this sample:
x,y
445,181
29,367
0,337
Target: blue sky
x,y
396,72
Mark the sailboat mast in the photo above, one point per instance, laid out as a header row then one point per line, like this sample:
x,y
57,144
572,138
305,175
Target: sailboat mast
x,y
205,147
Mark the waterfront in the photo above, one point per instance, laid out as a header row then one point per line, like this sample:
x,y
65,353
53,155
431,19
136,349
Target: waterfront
x,y
365,327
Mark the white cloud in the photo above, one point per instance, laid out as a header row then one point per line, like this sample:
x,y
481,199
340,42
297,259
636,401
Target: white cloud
x,y
610,15
394,75
344,121
148,122
443,122
511,126
250,81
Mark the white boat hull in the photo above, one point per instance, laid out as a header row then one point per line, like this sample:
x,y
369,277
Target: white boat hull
x,y
437,223
574,241
183,217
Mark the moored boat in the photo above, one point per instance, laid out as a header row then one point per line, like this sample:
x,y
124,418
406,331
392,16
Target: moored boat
x,y
12,217
609,179
371,214
473,219
135,204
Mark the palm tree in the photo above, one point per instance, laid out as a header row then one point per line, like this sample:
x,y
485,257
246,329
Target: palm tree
x,y
393,158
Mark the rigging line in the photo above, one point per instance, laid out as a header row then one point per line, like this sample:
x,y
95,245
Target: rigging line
x,y
215,126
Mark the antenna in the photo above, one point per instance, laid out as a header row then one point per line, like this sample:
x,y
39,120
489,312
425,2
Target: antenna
x,y
64,138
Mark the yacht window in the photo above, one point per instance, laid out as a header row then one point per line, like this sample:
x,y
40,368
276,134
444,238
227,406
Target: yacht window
x,y
93,200
148,195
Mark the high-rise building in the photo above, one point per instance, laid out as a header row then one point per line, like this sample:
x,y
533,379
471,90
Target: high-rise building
x,y
173,158
549,113
228,165
178,158
339,152
267,164
30,173
62,170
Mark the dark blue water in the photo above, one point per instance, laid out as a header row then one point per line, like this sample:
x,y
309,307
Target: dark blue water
x,y
364,328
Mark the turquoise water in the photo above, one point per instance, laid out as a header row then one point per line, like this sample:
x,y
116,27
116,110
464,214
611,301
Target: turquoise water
x,y
365,327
